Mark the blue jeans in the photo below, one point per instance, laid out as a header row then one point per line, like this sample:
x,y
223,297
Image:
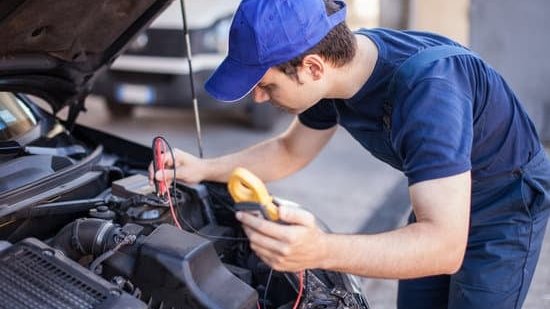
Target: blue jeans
x,y
508,221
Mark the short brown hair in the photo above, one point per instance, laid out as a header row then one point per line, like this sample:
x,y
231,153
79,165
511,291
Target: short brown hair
x,y
338,46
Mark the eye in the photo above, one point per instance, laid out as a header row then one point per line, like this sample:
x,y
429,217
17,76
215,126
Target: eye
x,y
266,87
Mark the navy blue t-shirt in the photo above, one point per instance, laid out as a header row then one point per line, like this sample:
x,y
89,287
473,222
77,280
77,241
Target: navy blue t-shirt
x,y
453,115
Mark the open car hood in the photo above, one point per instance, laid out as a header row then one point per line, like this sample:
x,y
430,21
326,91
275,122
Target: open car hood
x,y
54,48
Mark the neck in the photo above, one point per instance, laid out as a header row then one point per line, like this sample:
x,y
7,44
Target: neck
x,y
349,78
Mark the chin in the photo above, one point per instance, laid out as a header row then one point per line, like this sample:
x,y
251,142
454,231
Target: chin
x,y
293,111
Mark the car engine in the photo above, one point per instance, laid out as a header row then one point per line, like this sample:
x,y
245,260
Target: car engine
x,y
123,251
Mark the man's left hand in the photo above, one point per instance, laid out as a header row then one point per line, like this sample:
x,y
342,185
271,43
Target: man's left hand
x,y
294,246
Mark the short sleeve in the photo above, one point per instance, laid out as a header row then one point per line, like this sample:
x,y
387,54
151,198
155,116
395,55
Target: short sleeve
x,y
433,130
320,116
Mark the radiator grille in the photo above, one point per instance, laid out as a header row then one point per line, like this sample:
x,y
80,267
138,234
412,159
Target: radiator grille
x,y
34,278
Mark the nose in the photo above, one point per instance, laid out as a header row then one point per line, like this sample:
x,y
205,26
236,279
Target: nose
x,y
260,95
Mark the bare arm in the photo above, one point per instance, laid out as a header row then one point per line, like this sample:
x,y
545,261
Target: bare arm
x,y
435,244
270,160
275,158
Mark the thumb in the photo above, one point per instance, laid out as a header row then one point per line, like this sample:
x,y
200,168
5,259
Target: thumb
x,y
295,215
164,175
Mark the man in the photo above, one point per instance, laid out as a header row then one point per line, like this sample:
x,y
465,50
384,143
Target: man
x,y
478,175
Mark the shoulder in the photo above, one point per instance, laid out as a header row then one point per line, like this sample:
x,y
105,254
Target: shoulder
x,y
406,39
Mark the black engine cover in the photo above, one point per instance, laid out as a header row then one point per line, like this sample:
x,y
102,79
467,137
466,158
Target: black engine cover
x,y
183,270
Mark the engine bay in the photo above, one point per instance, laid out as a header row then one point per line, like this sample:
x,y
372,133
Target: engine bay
x,y
82,227
125,237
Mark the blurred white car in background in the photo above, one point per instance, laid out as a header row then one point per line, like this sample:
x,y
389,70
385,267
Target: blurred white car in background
x,y
154,69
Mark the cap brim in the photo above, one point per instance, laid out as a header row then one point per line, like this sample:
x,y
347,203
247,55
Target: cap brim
x,y
232,81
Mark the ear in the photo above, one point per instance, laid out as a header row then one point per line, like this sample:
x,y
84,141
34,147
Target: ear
x,y
314,65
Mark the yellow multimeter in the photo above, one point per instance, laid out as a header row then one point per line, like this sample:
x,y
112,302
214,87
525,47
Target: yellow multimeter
x,y
250,194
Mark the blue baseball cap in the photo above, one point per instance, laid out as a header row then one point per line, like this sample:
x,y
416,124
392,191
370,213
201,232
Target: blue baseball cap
x,y
265,33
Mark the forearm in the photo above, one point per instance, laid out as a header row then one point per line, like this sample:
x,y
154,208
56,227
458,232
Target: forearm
x,y
417,250
275,158
434,245
269,160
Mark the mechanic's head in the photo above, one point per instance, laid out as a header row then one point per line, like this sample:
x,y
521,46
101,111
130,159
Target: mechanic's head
x,y
280,49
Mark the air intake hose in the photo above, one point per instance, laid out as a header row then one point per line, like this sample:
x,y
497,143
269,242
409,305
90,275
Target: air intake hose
x,y
87,236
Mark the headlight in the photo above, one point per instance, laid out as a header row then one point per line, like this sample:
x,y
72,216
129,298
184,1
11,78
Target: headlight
x,y
139,43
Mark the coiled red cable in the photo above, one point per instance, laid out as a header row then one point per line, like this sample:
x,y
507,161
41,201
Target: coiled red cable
x,y
159,150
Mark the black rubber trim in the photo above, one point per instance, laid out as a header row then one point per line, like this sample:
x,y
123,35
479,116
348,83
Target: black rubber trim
x,y
31,193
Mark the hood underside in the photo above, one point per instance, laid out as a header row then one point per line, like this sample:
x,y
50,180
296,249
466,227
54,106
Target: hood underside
x,y
60,44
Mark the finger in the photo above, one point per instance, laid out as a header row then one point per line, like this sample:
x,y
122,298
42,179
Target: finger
x,y
264,226
168,162
295,215
257,239
165,175
276,262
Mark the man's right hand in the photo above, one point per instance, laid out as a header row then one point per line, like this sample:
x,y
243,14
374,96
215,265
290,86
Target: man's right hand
x,y
189,169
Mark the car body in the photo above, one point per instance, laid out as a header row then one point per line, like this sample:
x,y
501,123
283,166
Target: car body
x,y
154,70
80,226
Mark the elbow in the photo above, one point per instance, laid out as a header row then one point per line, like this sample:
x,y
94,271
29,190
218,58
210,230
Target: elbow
x,y
454,267
452,249
451,252
454,261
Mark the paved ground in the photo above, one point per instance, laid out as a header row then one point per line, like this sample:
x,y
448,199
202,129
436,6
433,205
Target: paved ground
x,y
344,186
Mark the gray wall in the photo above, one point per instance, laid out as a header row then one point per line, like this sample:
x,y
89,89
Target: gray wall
x,y
513,36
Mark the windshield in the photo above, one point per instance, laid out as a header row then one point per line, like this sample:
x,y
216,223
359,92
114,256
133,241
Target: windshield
x,y
15,117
